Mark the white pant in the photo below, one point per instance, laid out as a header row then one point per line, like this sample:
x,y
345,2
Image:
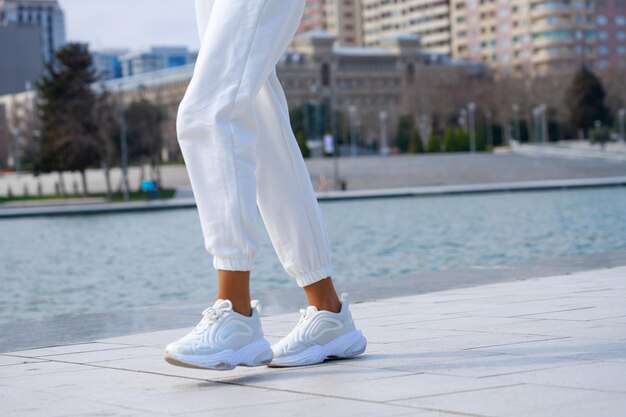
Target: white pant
x,y
234,132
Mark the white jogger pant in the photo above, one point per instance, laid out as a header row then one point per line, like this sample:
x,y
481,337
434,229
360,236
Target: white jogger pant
x,y
234,132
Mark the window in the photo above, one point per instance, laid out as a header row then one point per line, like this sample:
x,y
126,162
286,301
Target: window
x,y
601,20
620,20
603,50
621,35
603,35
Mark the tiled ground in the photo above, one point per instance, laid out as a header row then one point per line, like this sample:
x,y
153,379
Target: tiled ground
x,y
552,346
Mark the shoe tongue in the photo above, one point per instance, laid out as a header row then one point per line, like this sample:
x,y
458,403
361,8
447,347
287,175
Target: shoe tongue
x,y
222,305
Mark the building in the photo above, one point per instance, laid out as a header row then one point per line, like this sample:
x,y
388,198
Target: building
x,y
157,58
108,63
396,78
47,15
429,19
610,21
340,18
25,65
525,37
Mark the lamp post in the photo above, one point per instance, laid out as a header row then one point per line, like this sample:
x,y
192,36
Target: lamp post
x,y
544,124
123,142
518,133
384,146
621,114
489,127
329,92
352,112
16,150
471,109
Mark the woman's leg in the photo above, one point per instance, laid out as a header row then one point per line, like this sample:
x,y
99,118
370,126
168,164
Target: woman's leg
x,y
287,201
217,121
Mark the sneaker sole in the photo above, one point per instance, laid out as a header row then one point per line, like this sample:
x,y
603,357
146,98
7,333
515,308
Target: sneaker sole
x,y
257,353
346,346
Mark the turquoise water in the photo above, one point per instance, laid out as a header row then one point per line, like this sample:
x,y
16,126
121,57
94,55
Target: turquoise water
x,y
69,265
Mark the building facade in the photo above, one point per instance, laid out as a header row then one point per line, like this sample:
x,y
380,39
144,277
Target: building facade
x,y
25,65
157,58
429,19
108,63
340,18
47,15
610,20
525,37
396,78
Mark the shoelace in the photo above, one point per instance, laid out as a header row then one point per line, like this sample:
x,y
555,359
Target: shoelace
x,y
209,316
304,315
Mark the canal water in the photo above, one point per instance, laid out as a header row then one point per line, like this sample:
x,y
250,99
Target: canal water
x,y
79,264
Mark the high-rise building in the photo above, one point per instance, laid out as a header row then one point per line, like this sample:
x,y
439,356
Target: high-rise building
x,y
44,14
430,19
610,21
525,37
21,63
340,18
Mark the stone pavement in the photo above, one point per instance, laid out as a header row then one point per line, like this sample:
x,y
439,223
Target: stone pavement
x,y
551,346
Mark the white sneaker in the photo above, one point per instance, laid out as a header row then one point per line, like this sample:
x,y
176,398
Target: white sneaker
x,y
320,335
222,340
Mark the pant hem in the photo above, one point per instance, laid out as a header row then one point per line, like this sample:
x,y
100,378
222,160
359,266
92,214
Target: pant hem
x,y
232,264
311,277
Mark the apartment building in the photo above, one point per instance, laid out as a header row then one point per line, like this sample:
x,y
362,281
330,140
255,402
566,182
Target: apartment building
x,y
340,18
525,37
610,21
430,19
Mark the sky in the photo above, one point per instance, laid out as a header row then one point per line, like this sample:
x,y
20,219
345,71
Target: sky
x,y
132,24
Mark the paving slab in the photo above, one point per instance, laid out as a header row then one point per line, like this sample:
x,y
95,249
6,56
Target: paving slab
x,y
547,346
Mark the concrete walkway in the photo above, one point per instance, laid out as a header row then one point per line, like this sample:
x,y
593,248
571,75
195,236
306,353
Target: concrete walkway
x,y
552,346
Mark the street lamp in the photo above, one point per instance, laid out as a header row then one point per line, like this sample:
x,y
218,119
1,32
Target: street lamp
x,y
621,114
123,142
471,108
489,128
329,93
518,134
384,147
16,150
352,112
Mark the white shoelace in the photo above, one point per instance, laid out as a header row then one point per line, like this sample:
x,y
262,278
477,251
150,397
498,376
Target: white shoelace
x,y
209,316
304,315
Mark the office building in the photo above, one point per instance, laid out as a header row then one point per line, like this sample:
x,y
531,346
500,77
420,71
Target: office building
x,y
108,63
157,58
46,15
21,62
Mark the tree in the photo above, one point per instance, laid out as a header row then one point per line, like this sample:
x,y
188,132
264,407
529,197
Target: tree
x,y
403,134
105,116
585,101
304,148
67,124
145,137
415,142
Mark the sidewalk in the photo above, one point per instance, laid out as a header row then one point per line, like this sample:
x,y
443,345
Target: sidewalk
x,y
551,346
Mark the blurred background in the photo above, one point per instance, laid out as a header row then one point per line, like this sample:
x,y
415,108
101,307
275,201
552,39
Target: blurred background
x,y
444,101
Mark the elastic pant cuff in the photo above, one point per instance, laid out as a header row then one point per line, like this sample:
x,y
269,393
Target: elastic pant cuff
x,y
311,277
232,264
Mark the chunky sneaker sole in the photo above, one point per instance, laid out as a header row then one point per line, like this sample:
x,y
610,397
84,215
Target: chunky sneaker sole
x,y
345,346
257,353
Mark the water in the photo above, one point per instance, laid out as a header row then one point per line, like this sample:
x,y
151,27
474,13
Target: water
x,y
60,265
